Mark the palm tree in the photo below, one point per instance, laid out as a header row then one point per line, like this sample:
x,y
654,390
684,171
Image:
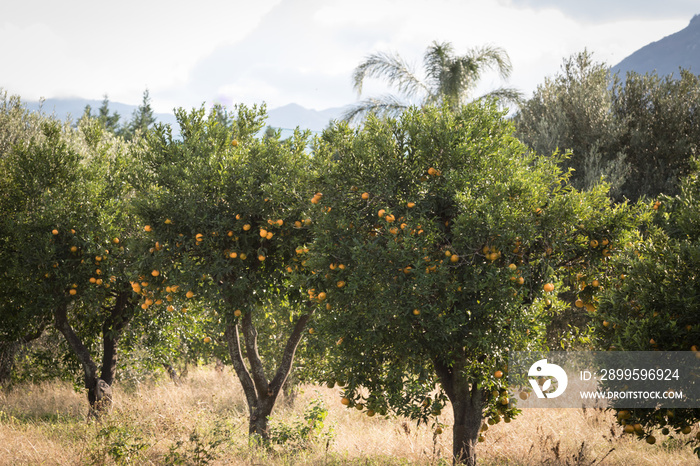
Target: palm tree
x,y
448,79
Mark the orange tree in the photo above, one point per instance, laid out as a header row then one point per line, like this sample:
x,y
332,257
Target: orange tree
x,y
441,243
653,302
223,210
66,234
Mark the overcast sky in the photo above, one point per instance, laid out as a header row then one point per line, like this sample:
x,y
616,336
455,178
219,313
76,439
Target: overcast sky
x,y
282,51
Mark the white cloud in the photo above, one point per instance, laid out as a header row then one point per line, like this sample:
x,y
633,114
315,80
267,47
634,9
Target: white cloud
x,y
283,51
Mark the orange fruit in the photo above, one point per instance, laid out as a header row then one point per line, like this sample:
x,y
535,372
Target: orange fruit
x,y
345,401
54,232
365,196
548,287
246,227
381,212
498,374
155,273
411,205
578,303
234,142
237,313
207,340
189,294
148,228
416,312
454,258
261,258
341,284
73,291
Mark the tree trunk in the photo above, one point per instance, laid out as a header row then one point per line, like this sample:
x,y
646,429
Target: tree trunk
x,y
260,393
99,389
467,405
468,414
8,352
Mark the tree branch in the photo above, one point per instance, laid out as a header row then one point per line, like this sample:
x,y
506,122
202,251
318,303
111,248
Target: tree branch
x,y
257,369
234,347
62,325
288,356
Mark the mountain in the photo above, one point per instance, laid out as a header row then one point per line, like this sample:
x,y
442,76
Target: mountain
x,y
73,108
286,118
666,56
290,116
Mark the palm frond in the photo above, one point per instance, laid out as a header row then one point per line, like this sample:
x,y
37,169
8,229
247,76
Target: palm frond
x,y
491,57
386,105
392,69
436,60
507,95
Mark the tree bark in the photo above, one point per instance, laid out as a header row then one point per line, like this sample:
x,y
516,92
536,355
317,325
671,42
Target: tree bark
x,y
99,391
79,349
112,328
467,406
260,393
8,352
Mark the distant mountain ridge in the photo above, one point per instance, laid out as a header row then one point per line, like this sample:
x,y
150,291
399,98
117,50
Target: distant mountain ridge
x,y
286,118
666,56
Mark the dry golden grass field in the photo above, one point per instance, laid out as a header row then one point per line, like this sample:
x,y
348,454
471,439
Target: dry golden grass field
x,y
202,421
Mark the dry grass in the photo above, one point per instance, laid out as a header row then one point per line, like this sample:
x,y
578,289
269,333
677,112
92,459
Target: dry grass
x,y
45,424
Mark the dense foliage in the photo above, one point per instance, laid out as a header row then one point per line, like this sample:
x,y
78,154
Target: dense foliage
x,y
406,257
638,132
